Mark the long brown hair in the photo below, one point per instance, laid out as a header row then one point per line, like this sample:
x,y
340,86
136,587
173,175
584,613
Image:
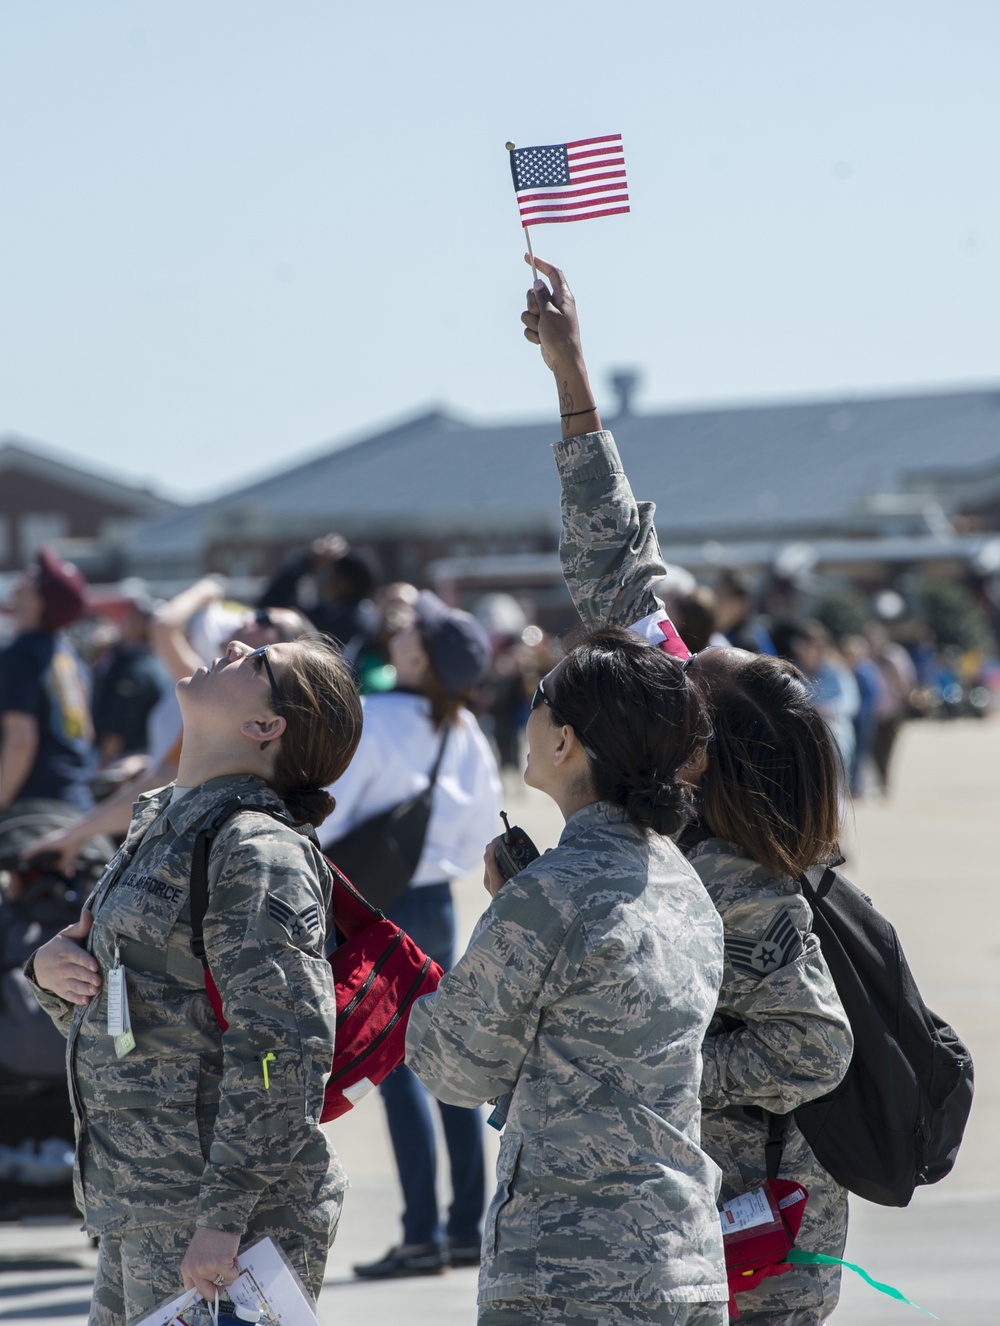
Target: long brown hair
x,y
322,711
771,783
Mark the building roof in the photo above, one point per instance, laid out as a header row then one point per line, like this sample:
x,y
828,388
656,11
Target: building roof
x,y
22,456
783,470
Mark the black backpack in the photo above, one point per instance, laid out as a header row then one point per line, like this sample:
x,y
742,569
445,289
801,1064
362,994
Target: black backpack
x,y
897,1118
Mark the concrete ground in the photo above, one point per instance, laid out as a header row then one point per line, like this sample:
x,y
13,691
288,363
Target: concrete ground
x,y
928,857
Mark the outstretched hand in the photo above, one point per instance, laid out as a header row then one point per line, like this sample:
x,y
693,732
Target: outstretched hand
x,y
550,319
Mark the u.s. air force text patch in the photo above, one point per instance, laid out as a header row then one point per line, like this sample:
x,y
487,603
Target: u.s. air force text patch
x,y
780,944
304,927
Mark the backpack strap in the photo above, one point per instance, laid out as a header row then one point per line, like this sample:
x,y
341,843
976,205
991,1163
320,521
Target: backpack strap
x,y
350,911
822,886
199,864
774,1147
440,755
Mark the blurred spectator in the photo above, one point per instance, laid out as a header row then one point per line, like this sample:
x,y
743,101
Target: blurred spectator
x,y
46,734
128,682
857,656
440,658
343,581
695,617
899,678
835,692
735,617
518,666
395,606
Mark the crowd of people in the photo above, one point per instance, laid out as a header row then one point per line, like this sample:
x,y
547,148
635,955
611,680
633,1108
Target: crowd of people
x,y
642,1000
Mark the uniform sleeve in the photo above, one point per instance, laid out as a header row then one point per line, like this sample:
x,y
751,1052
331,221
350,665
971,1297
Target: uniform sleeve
x,y
264,935
609,549
468,1040
781,1036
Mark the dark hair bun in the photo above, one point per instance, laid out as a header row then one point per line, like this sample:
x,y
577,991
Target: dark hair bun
x,y
309,805
663,807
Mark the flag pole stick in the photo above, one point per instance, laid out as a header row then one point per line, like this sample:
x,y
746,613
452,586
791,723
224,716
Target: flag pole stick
x,y
527,232
531,253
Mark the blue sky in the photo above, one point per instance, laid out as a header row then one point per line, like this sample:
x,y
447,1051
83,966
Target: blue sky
x,y
232,234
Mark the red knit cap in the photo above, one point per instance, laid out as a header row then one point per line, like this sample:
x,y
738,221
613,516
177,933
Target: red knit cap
x,y
63,590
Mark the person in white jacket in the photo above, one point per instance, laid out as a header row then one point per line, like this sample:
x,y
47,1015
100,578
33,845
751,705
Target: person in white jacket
x,y
438,659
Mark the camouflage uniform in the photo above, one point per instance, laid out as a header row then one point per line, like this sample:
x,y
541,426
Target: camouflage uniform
x,y
586,990
182,1130
780,1036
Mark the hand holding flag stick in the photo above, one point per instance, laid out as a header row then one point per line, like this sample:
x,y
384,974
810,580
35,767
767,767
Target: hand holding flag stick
x,y
550,322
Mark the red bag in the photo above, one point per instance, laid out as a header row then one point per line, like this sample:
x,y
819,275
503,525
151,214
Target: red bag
x,y
378,972
757,1251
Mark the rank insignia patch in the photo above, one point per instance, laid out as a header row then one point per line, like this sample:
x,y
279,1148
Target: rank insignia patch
x,y
781,943
303,926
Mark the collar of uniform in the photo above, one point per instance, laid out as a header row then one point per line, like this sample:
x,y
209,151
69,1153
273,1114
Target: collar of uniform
x,y
145,817
184,814
597,814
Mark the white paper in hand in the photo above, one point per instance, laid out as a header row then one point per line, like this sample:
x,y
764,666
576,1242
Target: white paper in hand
x,y
267,1283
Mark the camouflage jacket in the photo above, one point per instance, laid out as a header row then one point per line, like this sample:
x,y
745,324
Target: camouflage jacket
x,y
193,1125
781,1036
587,990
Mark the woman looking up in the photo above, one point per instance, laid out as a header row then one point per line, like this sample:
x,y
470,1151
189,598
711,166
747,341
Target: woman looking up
x,y
191,1142
586,992
767,811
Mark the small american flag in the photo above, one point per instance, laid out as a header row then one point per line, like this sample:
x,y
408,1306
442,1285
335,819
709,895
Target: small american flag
x,y
570,181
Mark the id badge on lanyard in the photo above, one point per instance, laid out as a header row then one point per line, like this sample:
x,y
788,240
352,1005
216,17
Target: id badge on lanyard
x,y
119,1023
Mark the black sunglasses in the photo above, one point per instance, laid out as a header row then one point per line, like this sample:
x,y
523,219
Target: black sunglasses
x,y
540,697
261,653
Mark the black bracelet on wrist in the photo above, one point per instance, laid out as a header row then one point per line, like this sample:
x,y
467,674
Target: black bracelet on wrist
x,y
591,409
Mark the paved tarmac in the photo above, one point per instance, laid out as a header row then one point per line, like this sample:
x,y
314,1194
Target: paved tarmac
x,y
928,857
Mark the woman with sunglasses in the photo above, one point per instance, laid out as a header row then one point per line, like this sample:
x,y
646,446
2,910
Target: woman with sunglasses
x,y
191,1143
767,810
582,1003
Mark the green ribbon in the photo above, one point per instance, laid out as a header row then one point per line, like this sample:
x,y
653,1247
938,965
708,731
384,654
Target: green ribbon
x,y
821,1259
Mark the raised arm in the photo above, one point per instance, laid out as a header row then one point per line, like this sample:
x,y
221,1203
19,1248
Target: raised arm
x,y
175,651
609,549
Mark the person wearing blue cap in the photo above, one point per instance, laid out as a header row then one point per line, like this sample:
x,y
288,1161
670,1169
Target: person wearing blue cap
x,y
439,659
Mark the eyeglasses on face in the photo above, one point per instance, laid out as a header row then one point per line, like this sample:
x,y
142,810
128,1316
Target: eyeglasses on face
x,y
540,697
261,654
263,619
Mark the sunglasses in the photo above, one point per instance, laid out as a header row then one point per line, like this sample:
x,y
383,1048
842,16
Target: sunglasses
x,y
261,654
540,698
